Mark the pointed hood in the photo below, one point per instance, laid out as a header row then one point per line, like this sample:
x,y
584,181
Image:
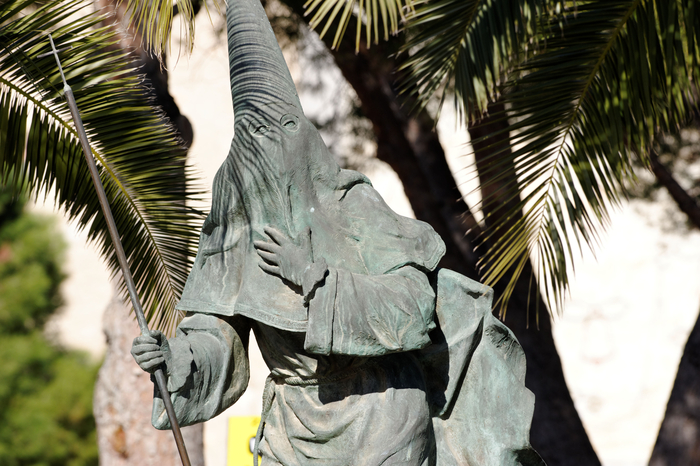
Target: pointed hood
x,y
259,74
279,173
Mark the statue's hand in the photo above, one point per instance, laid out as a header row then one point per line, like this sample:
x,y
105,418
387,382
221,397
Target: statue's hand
x,y
284,257
150,351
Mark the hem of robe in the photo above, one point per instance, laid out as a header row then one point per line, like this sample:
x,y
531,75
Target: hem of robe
x,y
259,315
475,379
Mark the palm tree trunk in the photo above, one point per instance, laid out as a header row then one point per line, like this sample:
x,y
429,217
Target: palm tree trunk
x,y
122,404
678,442
123,392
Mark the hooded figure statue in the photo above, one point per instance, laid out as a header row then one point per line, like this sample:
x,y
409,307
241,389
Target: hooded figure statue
x,y
375,357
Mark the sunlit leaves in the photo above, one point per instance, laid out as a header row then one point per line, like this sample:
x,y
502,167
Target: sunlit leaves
x,y
152,20
472,45
142,166
372,13
607,79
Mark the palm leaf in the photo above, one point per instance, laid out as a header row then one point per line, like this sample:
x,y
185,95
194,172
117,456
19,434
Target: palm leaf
x,y
142,166
390,13
471,45
612,76
153,19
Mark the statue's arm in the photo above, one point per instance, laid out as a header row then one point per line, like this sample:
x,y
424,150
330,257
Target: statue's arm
x,y
207,368
371,315
352,313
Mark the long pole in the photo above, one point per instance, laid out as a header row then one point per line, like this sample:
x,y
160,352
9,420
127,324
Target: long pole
x,y
119,249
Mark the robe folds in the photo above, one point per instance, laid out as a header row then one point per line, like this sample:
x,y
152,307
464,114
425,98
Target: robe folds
x,y
388,362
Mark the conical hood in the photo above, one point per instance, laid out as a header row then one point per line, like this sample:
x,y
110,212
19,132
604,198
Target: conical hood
x,y
279,174
259,74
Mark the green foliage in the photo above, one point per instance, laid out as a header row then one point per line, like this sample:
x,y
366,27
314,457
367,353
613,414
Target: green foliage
x,y
45,392
141,164
609,78
45,404
30,254
469,46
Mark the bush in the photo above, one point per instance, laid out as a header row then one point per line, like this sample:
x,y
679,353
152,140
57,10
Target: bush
x,y
45,391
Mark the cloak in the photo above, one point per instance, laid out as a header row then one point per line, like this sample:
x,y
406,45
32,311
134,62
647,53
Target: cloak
x,y
280,174
352,229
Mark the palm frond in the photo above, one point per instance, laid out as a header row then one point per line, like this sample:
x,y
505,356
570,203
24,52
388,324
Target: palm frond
x,y
390,13
142,166
472,44
153,20
612,76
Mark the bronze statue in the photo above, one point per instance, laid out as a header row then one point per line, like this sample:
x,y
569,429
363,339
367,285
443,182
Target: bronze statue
x,y
375,356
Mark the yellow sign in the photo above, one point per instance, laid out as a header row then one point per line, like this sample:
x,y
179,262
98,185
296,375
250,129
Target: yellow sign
x,y
241,439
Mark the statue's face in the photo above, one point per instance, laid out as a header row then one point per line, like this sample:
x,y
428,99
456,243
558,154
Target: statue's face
x,y
283,142
279,167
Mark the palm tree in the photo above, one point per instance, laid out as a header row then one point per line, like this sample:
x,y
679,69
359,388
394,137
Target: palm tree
x,y
142,164
597,83
560,98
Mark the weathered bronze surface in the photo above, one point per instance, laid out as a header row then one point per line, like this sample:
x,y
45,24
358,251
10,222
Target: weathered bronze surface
x,y
375,356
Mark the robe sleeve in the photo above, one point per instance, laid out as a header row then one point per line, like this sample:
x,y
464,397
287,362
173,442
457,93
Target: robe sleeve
x,y
370,315
208,369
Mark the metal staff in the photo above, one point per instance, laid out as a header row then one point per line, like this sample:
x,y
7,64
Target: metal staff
x,y
143,325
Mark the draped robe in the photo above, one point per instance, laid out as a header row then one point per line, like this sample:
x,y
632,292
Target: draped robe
x,y
387,361
366,372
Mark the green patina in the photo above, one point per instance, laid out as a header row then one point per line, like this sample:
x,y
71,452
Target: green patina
x,y
376,357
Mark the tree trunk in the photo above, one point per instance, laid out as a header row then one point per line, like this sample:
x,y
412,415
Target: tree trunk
x,y
678,443
557,432
410,145
123,392
122,404
685,202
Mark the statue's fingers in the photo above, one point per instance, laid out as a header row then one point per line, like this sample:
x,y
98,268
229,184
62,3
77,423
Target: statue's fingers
x,y
143,349
273,269
145,358
267,246
152,364
276,235
144,340
269,257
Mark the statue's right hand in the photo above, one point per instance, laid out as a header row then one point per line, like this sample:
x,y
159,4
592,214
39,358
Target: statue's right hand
x,y
150,350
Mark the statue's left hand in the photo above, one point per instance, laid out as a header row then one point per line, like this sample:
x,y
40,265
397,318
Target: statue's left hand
x,y
284,257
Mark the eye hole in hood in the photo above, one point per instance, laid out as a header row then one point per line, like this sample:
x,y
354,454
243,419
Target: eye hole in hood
x,y
290,123
258,128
